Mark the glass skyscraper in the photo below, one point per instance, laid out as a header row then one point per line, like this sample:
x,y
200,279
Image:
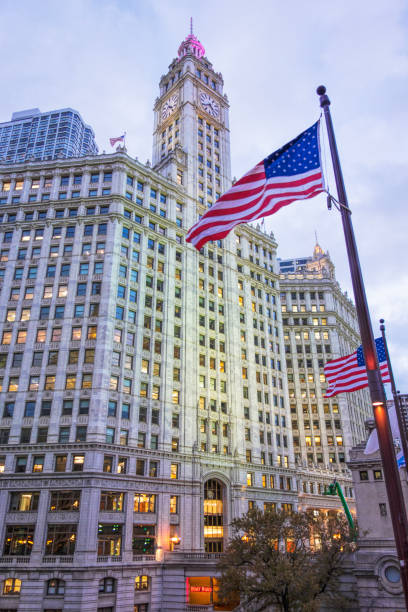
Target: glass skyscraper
x,y
34,135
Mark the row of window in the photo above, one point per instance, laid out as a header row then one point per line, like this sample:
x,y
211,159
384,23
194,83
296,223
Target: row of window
x,y
56,586
313,295
58,312
317,440
64,270
58,213
75,463
61,539
302,308
54,251
57,233
45,408
305,321
77,179
62,195
46,182
56,334
70,500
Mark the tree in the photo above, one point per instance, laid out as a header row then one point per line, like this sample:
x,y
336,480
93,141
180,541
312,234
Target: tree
x,y
288,560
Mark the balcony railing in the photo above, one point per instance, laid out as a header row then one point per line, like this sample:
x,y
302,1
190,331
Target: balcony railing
x,y
109,559
144,557
195,555
57,560
14,560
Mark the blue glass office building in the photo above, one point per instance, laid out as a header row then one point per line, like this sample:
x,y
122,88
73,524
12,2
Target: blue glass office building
x,y
32,134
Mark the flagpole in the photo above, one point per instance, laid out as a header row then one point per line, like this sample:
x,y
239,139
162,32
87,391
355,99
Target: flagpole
x,y
377,393
397,401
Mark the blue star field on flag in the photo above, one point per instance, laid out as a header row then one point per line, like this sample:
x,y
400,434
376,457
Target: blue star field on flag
x,y
379,345
296,157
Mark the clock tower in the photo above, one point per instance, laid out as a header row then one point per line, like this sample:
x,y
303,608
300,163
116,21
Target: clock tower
x,y
191,142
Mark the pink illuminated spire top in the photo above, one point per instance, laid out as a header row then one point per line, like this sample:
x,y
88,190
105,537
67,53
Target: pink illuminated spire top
x,y
191,44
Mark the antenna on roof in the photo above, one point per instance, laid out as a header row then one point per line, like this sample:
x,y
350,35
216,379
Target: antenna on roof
x,y
191,26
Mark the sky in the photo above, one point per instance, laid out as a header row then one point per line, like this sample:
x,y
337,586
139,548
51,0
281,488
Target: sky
x,y
105,59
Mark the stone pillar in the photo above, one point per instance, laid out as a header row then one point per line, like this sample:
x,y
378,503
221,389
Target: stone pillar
x,y
86,542
40,533
81,593
127,536
32,592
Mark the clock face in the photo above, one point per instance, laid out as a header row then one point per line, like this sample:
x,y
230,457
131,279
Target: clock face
x,y
209,105
169,106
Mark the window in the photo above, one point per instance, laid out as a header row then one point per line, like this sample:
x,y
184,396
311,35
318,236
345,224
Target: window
x,y
65,270
60,463
12,586
144,540
32,272
109,539
79,311
24,502
42,436
78,463
107,585
80,435
70,381
142,583
29,409
61,539
8,410
144,503
174,471
19,540
59,312
110,435
55,586
111,501
65,501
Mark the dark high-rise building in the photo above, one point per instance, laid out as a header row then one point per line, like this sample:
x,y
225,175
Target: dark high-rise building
x,y
34,135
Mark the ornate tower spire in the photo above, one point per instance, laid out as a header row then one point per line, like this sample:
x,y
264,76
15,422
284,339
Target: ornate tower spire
x,y
191,44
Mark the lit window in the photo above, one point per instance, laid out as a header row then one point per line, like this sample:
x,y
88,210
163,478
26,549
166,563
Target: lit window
x,y
142,583
12,586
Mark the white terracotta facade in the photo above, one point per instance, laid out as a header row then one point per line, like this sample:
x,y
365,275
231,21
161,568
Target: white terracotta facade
x,y
140,376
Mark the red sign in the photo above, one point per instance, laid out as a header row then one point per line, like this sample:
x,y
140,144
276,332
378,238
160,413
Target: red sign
x,y
200,589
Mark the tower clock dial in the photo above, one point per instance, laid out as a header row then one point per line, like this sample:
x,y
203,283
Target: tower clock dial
x,y
169,106
209,104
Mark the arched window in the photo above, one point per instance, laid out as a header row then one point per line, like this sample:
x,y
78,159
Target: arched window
x,y
213,516
55,586
107,585
12,586
142,583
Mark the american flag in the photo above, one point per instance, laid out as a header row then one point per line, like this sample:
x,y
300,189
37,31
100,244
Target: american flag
x,y
113,141
292,173
349,373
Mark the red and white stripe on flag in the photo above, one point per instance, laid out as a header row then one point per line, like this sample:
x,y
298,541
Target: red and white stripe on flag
x,y
113,141
291,173
345,375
